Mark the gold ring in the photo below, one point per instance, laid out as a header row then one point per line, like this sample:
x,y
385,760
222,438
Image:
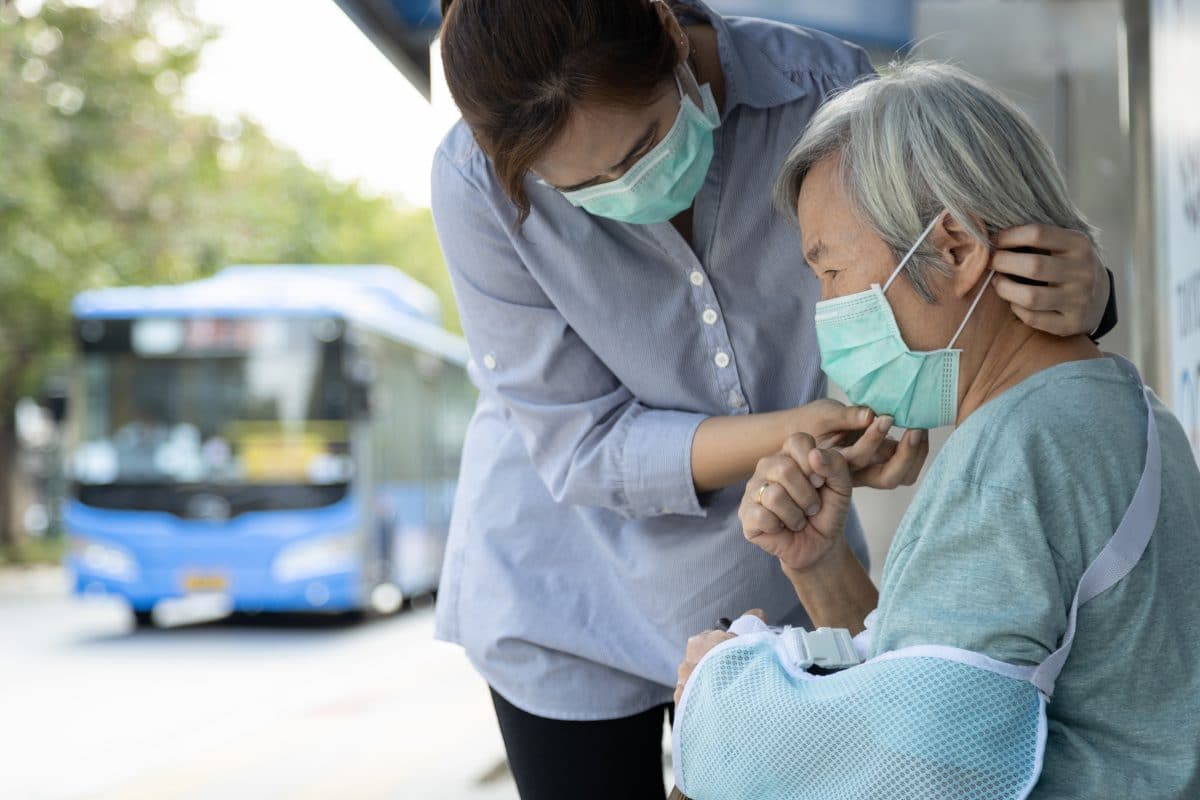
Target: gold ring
x,y
758,495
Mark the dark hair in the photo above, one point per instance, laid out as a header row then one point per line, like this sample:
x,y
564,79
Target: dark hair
x,y
517,68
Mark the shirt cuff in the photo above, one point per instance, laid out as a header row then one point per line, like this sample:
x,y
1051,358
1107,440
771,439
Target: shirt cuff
x,y
658,464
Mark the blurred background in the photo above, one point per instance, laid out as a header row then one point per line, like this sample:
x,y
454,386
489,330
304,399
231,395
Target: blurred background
x,y
181,433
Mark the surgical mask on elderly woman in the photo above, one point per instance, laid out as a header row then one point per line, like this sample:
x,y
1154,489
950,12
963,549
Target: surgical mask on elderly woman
x,y
863,352
666,180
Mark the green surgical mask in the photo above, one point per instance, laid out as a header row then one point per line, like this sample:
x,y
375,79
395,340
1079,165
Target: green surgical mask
x,y
665,181
863,352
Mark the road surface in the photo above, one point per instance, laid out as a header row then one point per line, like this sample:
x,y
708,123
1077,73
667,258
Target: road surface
x,y
90,708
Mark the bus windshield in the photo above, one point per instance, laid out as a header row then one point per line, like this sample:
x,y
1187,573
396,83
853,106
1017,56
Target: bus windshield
x,y
212,403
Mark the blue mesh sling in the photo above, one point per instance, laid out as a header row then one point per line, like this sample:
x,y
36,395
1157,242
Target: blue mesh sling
x,y
920,722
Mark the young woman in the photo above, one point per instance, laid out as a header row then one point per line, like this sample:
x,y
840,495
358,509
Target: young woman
x,y
641,333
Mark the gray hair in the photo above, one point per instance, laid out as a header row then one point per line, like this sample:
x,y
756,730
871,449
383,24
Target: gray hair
x,y
924,137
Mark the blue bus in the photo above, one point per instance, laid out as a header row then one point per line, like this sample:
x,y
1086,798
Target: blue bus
x,y
272,438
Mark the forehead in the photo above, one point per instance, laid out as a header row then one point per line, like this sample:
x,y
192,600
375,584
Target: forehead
x,y
598,136
822,208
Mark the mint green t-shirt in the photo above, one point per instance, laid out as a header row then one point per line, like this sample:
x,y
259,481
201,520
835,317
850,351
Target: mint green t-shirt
x,y
1024,495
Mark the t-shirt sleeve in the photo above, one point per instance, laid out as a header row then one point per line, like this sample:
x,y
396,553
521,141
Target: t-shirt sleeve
x,y
978,573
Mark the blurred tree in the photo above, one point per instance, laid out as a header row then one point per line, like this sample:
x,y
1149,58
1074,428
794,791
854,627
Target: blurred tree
x,y
106,180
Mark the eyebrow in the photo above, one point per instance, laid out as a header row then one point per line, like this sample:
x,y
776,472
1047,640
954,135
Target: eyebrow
x,y
815,252
637,147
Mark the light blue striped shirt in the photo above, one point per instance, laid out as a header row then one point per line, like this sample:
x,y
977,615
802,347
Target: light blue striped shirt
x,y
580,556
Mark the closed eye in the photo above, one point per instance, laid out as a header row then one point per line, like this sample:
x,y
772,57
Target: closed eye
x,y
643,146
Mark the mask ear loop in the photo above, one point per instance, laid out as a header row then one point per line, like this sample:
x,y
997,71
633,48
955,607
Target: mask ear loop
x,y
910,252
978,295
971,310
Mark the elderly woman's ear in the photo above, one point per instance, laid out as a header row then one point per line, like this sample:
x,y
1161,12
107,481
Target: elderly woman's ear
x,y
965,256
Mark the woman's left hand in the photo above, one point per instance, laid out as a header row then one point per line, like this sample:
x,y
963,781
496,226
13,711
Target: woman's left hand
x,y
698,647
1075,290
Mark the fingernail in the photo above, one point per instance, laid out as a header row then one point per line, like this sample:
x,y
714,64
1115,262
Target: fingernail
x,y
864,415
813,509
817,481
918,437
885,424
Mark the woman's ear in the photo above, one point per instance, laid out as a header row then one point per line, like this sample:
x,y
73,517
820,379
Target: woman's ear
x,y
673,28
966,257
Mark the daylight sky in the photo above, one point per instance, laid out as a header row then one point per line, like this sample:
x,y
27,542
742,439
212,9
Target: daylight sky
x,y
306,73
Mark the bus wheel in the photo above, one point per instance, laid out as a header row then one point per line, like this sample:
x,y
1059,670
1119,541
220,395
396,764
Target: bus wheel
x,y
143,619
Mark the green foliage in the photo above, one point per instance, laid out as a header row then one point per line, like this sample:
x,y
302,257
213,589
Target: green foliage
x,y
105,181
34,550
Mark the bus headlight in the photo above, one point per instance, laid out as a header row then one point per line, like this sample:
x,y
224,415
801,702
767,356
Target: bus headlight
x,y
104,559
322,556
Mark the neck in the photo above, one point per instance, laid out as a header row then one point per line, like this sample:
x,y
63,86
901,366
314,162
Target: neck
x,y
706,60
1001,351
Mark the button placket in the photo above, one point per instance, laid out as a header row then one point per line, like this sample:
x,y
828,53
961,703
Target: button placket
x,y
715,334
718,345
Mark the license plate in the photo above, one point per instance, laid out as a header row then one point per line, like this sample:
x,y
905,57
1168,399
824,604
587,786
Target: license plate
x,y
205,582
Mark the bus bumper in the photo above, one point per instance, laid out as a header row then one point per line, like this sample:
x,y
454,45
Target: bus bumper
x,y
243,590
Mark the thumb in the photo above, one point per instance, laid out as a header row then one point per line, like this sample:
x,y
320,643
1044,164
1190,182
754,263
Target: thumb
x,y
756,612
844,418
831,465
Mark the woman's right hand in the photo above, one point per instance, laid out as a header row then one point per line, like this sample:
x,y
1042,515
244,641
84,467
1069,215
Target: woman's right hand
x,y
875,461
827,420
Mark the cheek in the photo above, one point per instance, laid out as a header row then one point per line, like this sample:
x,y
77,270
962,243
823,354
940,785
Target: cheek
x,y
847,283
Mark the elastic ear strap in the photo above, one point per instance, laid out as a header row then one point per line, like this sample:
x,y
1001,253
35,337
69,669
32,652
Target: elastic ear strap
x,y
912,250
971,310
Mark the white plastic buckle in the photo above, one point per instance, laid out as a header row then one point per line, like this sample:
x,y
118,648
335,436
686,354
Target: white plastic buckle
x,y
827,648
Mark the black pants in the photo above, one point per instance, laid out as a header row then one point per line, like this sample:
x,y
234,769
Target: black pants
x,y
613,759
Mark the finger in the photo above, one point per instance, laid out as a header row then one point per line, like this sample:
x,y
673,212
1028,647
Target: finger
x,y
772,543
1046,269
835,419
798,446
1026,265
756,612
910,453
840,439
788,486
1034,298
886,450
1048,321
909,456
1040,237
757,519
868,476
862,453
914,471
832,466
780,502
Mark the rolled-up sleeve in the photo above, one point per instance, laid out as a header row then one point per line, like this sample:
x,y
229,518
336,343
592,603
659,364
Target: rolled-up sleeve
x,y
591,441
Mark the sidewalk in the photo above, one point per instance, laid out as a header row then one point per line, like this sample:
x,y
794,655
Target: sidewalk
x,y
40,580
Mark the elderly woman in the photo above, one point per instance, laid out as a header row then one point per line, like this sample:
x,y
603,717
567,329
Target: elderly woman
x,y
1062,518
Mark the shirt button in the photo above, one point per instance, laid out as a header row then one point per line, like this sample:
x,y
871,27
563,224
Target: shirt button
x,y
709,316
722,360
489,361
697,278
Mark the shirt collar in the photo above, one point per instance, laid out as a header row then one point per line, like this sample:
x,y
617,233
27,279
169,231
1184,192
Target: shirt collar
x,y
751,78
